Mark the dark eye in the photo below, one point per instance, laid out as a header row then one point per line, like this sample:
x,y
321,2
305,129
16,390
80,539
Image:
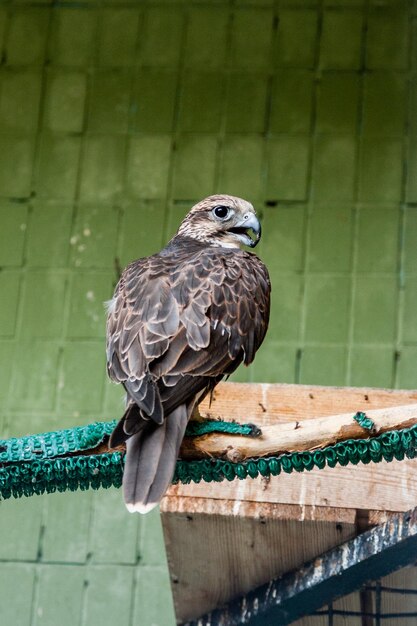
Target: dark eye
x,y
221,211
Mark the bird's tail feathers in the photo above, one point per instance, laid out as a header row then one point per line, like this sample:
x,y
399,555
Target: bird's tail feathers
x,y
151,455
130,423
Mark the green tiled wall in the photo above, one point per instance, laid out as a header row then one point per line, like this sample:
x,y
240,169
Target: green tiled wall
x,y
114,118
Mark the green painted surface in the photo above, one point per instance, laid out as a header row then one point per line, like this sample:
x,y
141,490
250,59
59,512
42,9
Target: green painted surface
x,y
103,606
114,118
13,219
59,595
66,524
15,576
113,535
21,523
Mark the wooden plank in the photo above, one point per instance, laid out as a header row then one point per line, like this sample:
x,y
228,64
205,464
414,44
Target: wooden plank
x,y
375,553
219,536
270,511
271,403
263,510
298,435
374,487
213,558
383,486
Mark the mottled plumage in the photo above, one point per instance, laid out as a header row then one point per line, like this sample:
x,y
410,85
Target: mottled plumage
x,y
179,321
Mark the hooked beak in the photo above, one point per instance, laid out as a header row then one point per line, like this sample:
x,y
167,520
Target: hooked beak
x,y
249,223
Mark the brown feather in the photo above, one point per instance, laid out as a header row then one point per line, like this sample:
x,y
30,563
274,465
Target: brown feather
x,y
179,321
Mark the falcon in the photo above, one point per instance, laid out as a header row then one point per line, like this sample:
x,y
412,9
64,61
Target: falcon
x,y
179,321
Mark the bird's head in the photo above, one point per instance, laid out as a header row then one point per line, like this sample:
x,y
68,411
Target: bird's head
x,y
222,220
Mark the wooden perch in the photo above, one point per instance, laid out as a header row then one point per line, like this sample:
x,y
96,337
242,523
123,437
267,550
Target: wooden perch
x,y
260,528
292,418
297,436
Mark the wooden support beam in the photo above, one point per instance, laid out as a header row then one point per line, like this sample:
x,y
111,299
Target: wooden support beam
x,y
344,569
374,487
257,529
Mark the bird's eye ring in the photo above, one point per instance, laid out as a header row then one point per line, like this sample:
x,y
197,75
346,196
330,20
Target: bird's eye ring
x,y
221,211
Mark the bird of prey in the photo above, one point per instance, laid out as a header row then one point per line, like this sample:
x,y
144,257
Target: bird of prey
x,y
179,321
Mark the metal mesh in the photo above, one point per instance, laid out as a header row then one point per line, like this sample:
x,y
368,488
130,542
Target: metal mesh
x,y
391,601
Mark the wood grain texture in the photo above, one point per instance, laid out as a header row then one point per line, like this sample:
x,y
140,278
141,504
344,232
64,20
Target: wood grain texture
x,y
383,486
298,435
213,558
274,403
225,538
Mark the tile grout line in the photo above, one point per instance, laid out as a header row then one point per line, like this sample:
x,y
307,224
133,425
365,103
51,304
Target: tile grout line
x,y
357,183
